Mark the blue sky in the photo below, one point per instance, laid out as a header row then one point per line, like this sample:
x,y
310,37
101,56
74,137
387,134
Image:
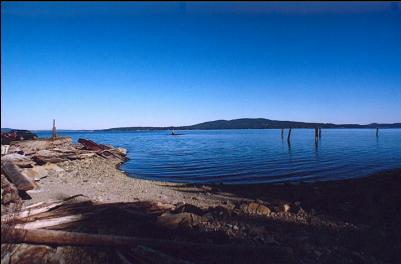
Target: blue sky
x,y
100,65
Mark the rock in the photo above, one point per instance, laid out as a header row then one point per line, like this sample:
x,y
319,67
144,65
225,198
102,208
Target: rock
x,y
189,208
53,167
47,153
263,210
207,188
35,173
221,211
39,172
31,146
4,149
254,208
286,208
14,157
24,253
172,221
122,151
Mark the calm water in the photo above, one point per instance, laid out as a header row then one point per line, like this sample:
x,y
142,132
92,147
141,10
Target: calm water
x,y
252,156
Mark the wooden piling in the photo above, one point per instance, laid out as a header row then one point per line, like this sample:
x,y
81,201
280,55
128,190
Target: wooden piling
x,y
316,134
377,131
320,132
289,135
282,132
54,135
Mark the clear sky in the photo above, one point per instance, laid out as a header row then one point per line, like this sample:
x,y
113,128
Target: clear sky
x,y
101,65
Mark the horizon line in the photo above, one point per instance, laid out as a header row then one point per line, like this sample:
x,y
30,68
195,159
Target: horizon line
x,y
171,126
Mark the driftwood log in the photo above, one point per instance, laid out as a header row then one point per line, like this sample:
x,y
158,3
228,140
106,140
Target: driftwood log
x,y
62,238
90,145
44,223
12,172
142,255
30,212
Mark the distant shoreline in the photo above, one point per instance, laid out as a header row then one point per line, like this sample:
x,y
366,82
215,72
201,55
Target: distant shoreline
x,y
242,123
151,130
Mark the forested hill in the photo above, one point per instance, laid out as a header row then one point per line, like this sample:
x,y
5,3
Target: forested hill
x,y
256,123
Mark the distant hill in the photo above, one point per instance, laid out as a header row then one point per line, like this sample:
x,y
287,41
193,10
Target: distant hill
x,y
255,123
6,129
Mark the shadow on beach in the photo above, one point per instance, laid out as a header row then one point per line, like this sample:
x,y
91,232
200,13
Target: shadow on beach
x,y
349,221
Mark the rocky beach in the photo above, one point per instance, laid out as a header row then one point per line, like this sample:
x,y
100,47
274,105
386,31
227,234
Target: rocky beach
x,y
80,208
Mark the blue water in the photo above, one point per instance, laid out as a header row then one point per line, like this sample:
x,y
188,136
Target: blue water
x,y
252,155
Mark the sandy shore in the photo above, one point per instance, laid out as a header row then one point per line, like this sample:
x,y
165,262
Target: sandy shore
x,y
100,180
347,221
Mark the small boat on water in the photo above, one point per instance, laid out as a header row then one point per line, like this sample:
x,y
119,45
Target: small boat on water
x,y
173,133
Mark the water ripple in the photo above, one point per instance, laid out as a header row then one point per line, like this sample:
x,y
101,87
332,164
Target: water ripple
x,y
253,156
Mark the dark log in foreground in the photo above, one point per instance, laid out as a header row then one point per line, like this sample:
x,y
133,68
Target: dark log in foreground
x,y
62,238
142,255
21,182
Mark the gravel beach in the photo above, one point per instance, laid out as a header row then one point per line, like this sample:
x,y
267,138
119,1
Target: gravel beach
x,y
346,221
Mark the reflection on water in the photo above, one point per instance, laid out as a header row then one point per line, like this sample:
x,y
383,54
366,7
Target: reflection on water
x,y
239,156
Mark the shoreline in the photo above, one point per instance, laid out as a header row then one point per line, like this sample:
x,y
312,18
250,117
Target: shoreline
x,y
344,221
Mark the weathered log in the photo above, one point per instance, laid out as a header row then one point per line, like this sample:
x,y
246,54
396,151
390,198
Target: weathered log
x,y
142,255
53,221
110,154
40,204
31,212
52,201
62,238
123,259
20,181
9,194
90,145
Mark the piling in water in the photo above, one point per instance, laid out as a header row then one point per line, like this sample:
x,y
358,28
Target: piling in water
x,y
316,134
282,133
289,135
377,131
